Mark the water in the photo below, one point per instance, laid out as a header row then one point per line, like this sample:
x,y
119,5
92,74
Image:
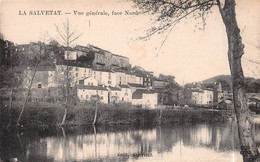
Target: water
x,y
178,142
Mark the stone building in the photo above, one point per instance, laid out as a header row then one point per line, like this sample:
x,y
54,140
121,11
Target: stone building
x,y
145,98
88,90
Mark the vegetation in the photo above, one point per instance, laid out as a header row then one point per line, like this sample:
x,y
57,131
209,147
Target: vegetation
x,y
252,85
50,114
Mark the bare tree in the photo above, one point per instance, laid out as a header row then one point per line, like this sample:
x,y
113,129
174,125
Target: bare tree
x,y
67,36
171,12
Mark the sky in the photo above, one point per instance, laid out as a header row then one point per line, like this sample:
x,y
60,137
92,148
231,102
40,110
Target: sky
x,y
188,53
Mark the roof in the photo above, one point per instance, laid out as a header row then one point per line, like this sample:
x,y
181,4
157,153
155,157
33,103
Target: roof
x,y
97,48
138,94
123,86
67,48
114,88
92,87
139,71
207,89
103,70
120,56
158,80
196,90
81,48
136,85
119,70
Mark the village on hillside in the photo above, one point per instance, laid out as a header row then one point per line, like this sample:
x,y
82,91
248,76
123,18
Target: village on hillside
x,y
97,74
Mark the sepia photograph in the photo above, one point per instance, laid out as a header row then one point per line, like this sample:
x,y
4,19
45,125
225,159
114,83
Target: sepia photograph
x,y
130,80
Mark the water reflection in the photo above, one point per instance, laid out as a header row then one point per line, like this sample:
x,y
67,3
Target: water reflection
x,y
200,142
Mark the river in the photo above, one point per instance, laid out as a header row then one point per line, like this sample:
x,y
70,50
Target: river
x,y
217,142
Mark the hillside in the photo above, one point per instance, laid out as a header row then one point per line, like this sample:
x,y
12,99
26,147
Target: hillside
x,y
252,84
226,78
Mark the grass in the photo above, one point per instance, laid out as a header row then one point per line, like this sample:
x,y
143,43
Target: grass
x,y
49,114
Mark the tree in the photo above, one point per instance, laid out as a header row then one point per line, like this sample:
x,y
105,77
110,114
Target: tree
x,y
38,52
67,37
10,73
169,13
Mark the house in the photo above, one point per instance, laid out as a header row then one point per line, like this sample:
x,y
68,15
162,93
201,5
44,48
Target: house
x,y
120,77
145,98
104,77
131,77
92,92
88,89
44,77
159,83
202,97
120,61
199,96
88,81
44,86
105,59
7,51
126,94
70,54
205,93
114,94
82,72
147,77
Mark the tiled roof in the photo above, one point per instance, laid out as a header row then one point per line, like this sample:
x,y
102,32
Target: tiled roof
x,y
119,56
114,88
123,86
207,89
81,48
92,87
138,94
136,85
103,70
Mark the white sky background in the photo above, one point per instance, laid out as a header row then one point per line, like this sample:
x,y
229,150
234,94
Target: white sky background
x,y
189,54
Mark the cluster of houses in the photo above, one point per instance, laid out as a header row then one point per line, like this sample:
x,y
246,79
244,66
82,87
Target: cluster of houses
x,y
93,73
206,94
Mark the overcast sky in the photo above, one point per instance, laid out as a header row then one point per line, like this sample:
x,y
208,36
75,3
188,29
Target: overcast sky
x,y
189,54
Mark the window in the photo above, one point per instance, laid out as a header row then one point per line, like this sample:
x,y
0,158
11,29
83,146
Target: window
x,y
39,85
88,83
86,96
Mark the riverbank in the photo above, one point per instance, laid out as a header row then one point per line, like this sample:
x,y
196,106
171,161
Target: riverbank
x,y
47,114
